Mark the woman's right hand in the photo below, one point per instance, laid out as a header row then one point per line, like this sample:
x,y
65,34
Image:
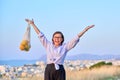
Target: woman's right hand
x,y
29,21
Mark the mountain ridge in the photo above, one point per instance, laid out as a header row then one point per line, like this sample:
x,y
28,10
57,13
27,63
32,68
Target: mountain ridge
x,y
92,57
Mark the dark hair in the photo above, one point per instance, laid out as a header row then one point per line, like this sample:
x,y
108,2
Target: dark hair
x,y
58,32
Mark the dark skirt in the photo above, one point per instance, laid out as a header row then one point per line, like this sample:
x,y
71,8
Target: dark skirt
x,y
52,74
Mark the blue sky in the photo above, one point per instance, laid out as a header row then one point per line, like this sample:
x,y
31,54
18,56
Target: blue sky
x,y
68,16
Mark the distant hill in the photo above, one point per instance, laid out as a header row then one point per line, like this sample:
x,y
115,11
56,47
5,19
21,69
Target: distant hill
x,y
68,57
92,57
87,57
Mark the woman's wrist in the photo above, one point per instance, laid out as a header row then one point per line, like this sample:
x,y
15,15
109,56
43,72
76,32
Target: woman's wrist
x,y
32,24
85,30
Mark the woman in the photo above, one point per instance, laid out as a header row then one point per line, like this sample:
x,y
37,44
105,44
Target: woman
x,y
56,51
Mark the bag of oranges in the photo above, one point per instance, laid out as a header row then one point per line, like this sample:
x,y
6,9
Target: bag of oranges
x,y
25,43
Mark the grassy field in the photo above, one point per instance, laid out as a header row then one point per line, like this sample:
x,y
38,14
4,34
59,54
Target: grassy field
x,y
103,73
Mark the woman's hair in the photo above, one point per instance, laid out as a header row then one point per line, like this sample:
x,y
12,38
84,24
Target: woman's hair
x,y
59,32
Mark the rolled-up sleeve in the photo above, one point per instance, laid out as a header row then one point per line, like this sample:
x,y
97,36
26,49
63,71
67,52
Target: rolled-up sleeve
x,y
72,43
40,35
43,39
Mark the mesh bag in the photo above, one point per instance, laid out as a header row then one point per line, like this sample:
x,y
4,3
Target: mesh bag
x,y
25,43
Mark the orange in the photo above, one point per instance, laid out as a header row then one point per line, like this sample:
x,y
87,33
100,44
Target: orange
x,y
27,47
22,47
24,42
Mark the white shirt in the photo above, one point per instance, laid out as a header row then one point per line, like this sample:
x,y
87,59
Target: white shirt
x,y
57,55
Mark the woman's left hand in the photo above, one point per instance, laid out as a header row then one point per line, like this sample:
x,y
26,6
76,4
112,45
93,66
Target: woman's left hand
x,y
88,27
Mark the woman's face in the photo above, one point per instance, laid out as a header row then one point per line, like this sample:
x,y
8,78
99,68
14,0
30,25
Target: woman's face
x,y
57,39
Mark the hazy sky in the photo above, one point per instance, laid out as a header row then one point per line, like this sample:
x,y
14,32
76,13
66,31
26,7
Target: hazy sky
x,y
68,16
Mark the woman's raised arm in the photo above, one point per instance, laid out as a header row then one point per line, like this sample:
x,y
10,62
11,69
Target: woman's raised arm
x,y
31,22
86,29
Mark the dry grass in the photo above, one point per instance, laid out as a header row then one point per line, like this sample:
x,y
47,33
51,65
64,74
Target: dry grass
x,y
32,78
87,74
94,74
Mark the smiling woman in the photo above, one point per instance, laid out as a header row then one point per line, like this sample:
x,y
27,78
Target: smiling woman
x,y
56,52
58,38
67,16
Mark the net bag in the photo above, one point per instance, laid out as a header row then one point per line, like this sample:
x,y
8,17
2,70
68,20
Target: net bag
x,y
25,43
